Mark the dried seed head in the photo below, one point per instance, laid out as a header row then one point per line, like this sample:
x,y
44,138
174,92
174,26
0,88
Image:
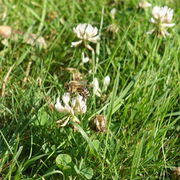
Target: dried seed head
x,y
176,173
98,123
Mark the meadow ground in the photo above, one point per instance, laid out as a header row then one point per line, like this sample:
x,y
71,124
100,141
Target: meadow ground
x,y
141,105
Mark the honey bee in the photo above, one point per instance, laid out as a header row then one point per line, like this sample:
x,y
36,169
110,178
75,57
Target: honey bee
x,y
78,87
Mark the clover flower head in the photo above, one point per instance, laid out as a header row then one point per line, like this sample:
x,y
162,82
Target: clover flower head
x,y
86,33
162,19
163,15
72,106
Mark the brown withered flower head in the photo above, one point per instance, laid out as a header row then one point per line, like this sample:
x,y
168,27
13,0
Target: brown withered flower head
x,y
176,173
98,123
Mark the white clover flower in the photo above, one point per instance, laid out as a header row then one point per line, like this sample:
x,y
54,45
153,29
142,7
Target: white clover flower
x,y
106,82
96,88
85,32
74,106
162,19
144,4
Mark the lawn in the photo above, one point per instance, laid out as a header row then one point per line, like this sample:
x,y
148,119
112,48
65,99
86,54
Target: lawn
x,y
118,114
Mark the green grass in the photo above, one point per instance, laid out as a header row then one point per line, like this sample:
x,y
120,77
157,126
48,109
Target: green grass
x,y
143,100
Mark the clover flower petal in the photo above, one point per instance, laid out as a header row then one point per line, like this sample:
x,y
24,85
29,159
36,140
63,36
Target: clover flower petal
x,y
75,44
106,81
66,98
79,105
96,88
85,59
58,106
